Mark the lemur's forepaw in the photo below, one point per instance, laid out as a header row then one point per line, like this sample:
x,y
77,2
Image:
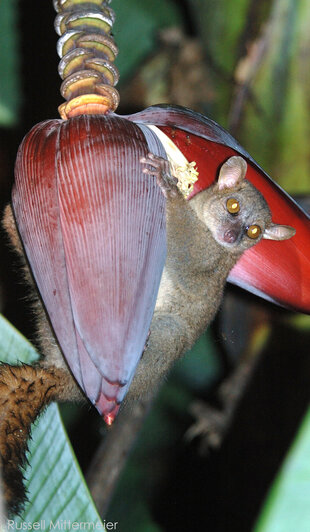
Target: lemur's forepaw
x,y
161,170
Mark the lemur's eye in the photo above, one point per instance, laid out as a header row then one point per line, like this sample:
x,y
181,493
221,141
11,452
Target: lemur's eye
x,y
232,206
253,231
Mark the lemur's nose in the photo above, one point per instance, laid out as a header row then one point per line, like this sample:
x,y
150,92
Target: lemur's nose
x,y
230,236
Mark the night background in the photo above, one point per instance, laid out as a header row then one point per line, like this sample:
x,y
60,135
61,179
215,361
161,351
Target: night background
x,y
245,64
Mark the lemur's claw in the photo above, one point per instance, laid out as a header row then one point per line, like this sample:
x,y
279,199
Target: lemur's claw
x,y
161,170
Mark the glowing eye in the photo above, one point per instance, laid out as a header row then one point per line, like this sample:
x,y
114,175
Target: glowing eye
x,y
232,206
253,231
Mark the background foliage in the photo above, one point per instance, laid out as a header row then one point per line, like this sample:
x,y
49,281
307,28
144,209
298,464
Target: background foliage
x,y
245,64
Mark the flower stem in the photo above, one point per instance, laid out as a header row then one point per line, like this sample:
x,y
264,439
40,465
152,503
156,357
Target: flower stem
x,y
87,53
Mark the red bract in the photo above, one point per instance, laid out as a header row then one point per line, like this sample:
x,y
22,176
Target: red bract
x,y
93,228
277,271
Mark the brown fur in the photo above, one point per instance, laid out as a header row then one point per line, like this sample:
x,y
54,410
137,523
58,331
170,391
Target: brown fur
x,y
24,392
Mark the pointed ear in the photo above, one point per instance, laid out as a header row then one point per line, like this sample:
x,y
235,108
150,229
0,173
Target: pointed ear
x,y
232,172
279,232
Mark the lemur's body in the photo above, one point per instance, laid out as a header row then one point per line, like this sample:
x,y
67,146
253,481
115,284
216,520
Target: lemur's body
x,y
205,240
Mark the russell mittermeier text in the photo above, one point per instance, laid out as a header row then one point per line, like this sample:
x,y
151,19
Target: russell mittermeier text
x,y
62,524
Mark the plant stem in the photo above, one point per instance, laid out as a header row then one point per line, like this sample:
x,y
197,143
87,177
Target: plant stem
x,y
87,53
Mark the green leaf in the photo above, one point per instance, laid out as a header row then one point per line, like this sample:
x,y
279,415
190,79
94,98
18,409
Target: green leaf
x,y
9,85
276,129
136,27
14,347
287,506
223,27
56,488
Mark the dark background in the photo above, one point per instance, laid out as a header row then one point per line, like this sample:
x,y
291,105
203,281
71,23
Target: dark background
x,y
169,484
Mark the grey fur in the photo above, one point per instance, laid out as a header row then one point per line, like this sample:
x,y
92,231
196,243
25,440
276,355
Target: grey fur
x,y
197,266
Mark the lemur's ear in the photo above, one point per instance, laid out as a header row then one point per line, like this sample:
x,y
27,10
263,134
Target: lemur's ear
x,y
279,232
232,172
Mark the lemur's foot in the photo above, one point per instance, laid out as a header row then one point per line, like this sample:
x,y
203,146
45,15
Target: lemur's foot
x,y
161,170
